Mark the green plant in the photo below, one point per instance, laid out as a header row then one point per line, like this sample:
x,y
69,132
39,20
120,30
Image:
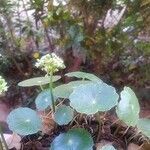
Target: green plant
x,y
3,85
88,95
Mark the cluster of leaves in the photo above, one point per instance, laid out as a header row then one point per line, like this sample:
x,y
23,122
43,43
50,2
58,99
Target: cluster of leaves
x,y
87,95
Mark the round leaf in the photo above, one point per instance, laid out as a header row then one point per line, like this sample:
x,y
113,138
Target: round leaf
x,y
43,100
144,126
63,115
74,139
84,75
38,81
91,98
64,90
128,108
107,147
24,121
74,84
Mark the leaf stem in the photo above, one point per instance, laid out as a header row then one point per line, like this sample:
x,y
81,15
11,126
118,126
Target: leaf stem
x,y
42,89
51,92
99,126
3,139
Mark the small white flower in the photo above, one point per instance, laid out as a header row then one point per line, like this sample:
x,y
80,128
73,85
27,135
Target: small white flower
x,y
3,85
60,2
50,63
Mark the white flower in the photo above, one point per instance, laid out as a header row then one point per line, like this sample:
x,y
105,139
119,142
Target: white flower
x,y
3,85
60,2
50,63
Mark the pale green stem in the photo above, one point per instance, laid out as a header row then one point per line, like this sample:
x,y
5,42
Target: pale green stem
x,y
51,91
3,139
41,87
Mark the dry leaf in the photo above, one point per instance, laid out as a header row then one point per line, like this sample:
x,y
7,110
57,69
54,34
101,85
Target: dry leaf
x,y
48,122
13,141
145,146
133,146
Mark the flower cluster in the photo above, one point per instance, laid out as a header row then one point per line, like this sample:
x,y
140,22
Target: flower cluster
x,y
3,85
50,63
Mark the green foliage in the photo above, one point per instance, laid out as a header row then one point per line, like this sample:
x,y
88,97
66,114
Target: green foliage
x,y
87,97
5,63
97,97
63,115
143,47
24,121
76,139
128,108
75,34
38,81
144,126
84,75
43,100
64,90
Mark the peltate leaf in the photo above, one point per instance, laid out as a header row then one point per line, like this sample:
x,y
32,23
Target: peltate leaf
x,y
128,108
38,81
84,75
43,100
63,115
64,90
74,139
24,121
92,97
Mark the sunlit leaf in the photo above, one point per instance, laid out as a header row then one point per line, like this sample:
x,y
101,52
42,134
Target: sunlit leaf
x,y
24,121
38,81
84,75
74,139
91,98
63,115
128,108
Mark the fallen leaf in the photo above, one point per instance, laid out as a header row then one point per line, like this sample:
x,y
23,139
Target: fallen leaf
x,y
133,146
13,141
48,123
145,146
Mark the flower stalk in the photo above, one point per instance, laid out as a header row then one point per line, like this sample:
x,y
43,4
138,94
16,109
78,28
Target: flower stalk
x,y
51,64
51,92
